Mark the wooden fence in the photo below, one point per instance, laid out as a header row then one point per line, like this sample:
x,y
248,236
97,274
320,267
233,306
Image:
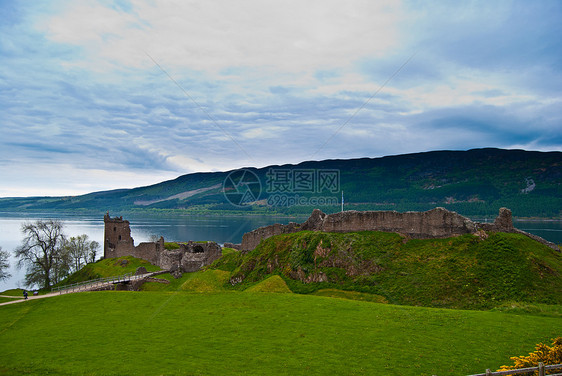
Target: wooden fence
x,y
541,368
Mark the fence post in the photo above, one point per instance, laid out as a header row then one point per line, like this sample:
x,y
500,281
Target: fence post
x,y
488,372
541,369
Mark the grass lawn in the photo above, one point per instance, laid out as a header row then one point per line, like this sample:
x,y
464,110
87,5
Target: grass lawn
x,y
230,333
5,300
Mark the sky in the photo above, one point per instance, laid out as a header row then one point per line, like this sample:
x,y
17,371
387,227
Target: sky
x,y
99,95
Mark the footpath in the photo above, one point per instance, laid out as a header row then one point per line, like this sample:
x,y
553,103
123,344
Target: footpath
x,y
18,299
99,284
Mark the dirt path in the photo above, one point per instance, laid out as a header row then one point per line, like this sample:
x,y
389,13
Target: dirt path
x,y
84,288
17,299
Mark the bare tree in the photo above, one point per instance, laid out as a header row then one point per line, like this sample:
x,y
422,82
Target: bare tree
x,y
81,251
76,249
93,249
4,264
42,253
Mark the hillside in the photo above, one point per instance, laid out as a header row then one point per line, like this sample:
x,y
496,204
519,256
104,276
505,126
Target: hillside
x,y
108,268
476,182
462,272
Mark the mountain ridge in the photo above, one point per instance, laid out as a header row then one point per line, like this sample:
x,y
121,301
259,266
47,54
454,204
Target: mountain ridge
x,y
472,182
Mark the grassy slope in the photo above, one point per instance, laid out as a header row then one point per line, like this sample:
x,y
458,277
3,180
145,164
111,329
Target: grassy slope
x,y
174,285
124,333
461,272
108,268
206,281
271,284
201,281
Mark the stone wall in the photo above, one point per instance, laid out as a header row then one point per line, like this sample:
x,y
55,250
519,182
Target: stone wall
x,y
435,223
190,257
251,239
502,223
197,255
149,251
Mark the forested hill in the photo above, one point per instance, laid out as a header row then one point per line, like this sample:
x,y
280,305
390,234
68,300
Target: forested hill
x,y
475,182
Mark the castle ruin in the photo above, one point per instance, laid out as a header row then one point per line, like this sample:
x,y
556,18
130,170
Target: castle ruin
x,y
435,223
192,256
189,257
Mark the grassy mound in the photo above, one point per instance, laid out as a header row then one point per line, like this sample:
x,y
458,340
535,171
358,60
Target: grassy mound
x,y
162,333
459,272
108,268
271,284
206,281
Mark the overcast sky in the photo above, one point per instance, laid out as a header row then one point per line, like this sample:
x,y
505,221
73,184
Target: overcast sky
x,y
104,95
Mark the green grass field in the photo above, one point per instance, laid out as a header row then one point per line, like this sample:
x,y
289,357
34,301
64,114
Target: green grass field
x,y
230,333
5,300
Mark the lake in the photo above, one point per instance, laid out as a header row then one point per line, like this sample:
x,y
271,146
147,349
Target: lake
x,y
182,228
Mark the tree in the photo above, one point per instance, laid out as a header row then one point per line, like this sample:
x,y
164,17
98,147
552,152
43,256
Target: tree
x,y
4,264
93,249
81,251
42,253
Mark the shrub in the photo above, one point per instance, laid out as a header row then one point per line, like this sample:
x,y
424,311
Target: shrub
x,y
543,353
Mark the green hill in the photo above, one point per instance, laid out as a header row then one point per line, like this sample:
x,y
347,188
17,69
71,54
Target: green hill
x,y
475,182
108,268
460,272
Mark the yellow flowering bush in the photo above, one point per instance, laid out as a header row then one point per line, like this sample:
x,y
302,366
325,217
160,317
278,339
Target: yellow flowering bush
x,y
543,353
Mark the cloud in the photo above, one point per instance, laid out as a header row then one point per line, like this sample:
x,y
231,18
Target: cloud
x,y
289,36
266,82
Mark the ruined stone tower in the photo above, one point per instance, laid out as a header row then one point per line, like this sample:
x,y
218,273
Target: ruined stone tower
x,y
117,237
